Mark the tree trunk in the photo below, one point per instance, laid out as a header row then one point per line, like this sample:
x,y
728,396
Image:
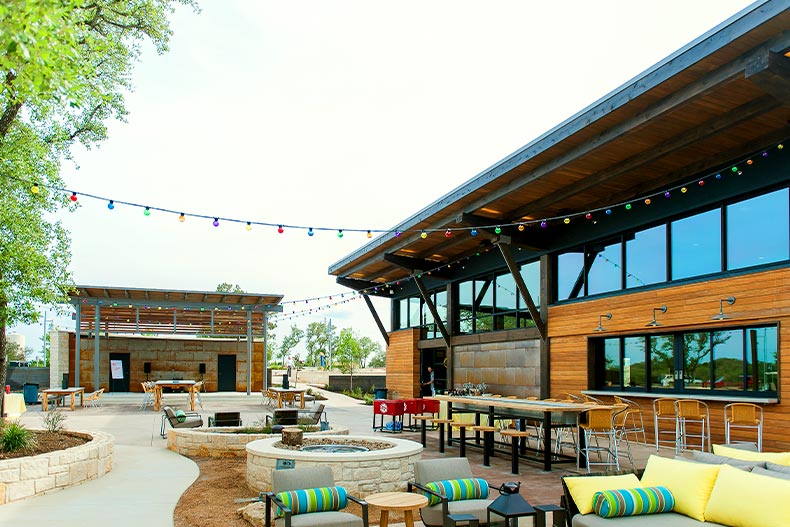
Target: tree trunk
x,y
292,436
3,361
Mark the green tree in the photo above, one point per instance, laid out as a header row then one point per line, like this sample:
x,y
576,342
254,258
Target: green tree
x,y
64,66
226,287
15,352
348,354
289,342
320,338
378,360
369,349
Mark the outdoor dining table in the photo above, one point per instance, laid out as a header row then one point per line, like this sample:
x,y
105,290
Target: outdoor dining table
x,y
549,412
158,385
296,391
72,392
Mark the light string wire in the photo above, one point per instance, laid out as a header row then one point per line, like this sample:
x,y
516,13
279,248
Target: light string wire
x,y
543,222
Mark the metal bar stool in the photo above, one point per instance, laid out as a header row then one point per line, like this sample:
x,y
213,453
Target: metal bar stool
x,y
743,415
664,411
462,435
441,423
597,424
422,419
515,436
636,418
694,412
488,442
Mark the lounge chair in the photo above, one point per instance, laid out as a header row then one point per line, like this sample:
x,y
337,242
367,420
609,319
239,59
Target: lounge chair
x,y
434,470
94,398
313,416
307,478
185,420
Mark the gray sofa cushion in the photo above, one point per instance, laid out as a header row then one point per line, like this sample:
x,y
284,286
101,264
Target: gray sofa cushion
x,y
771,473
713,459
433,515
327,519
777,467
667,519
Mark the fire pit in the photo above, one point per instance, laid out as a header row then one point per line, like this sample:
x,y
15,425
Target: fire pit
x,y
386,469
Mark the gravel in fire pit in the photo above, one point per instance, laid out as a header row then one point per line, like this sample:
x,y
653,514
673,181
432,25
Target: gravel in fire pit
x,y
369,444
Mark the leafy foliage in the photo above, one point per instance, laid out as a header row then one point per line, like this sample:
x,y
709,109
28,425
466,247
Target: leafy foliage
x,y
14,437
54,420
289,342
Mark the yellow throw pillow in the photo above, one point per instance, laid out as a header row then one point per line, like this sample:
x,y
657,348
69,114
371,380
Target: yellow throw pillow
x,y
743,499
780,458
583,488
690,483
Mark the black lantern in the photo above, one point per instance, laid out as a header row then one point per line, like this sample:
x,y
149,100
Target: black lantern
x,y
510,505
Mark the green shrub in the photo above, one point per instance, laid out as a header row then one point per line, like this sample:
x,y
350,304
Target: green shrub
x,y
15,437
53,420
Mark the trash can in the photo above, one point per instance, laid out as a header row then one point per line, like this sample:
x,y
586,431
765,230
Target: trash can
x,y
65,383
285,381
30,393
380,393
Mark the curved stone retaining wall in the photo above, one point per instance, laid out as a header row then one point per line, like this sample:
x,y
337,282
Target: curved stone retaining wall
x,y
217,442
24,477
361,473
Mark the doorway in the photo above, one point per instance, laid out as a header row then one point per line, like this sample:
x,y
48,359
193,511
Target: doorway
x,y
226,373
119,372
435,358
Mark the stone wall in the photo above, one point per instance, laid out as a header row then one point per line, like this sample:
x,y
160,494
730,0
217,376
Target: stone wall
x,y
221,442
508,368
24,477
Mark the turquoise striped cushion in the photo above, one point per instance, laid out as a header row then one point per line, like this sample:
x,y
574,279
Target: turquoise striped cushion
x,y
633,502
319,499
458,489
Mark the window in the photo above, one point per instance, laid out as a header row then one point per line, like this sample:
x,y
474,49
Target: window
x,y
696,245
605,272
646,257
570,275
757,230
466,295
738,361
403,312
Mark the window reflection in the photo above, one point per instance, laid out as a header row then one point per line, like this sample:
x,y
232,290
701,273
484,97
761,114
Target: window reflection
x,y
757,230
646,257
662,361
570,275
465,301
696,245
696,360
634,365
728,360
605,269
612,359
403,308
761,359
531,275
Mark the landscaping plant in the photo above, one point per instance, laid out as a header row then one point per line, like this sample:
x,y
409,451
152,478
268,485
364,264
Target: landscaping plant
x,y
14,437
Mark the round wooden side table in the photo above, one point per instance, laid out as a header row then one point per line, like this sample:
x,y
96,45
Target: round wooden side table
x,y
397,501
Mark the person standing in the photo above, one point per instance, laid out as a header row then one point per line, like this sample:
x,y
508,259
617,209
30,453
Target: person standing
x,y
289,363
430,381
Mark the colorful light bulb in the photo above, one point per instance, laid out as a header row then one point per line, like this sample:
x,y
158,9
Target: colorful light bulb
x,y
667,194
543,224
423,235
310,231
648,201
588,216
521,227
147,211
473,232
111,205
684,190
34,188
73,196
340,233
215,223
448,233
280,229
497,230
248,227
397,234
627,206
181,217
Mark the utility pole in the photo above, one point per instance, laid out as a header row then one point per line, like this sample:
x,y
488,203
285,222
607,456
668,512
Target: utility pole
x,y
329,342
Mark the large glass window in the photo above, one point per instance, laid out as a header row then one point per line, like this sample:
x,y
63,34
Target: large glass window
x,y
696,245
531,274
414,312
403,312
646,257
484,305
466,298
757,230
735,361
570,275
606,269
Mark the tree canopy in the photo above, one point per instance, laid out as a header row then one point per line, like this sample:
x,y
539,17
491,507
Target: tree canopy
x,y
64,68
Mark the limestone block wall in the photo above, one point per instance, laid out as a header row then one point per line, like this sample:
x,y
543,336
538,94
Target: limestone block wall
x,y
58,357
508,368
24,477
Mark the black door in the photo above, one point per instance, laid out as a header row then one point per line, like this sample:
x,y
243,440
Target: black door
x,y
119,377
226,373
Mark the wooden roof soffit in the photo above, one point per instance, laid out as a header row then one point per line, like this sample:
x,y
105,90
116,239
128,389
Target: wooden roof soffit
x,y
510,233
770,71
426,296
359,285
540,324
416,265
377,319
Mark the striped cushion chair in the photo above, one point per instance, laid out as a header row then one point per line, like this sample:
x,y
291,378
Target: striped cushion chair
x,y
451,489
303,497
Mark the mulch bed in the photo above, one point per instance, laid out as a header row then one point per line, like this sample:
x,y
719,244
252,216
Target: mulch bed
x,y
47,442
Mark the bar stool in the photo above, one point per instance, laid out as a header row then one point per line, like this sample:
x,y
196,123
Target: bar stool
x,y
462,435
514,435
634,413
664,411
691,411
423,419
743,415
488,442
595,424
619,421
441,423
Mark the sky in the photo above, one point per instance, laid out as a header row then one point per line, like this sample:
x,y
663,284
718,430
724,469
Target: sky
x,y
349,114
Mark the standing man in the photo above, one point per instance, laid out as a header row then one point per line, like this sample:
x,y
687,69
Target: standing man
x,y
289,363
430,381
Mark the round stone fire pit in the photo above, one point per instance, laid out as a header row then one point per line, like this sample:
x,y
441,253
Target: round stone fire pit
x,y
360,472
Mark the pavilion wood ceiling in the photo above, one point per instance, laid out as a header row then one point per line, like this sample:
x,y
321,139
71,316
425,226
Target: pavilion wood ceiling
x,y
719,100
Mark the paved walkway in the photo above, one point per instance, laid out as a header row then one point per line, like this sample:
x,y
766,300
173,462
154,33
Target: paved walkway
x,y
130,496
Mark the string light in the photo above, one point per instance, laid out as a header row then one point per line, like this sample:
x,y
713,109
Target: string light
x,y
369,235
310,231
147,211
34,188
248,227
111,205
340,233
215,223
280,229
73,196
181,217
423,235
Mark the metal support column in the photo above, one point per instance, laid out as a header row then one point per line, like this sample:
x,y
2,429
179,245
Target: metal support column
x,y
96,341
78,316
265,339
249,352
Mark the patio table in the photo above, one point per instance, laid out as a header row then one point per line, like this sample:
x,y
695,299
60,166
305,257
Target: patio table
x,y
72,392
158,385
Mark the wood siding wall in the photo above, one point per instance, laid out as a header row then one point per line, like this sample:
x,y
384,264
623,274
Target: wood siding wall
x,y
403,364
169,358
761,298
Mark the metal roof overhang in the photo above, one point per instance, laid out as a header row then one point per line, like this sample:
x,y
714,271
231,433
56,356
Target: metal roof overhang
x,y
724,96
160,311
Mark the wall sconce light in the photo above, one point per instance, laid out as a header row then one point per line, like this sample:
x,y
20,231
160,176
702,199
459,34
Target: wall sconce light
x,y
721,316
655,322
607,316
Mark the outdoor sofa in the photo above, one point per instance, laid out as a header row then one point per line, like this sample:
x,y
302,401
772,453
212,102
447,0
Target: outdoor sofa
x,y
730,488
